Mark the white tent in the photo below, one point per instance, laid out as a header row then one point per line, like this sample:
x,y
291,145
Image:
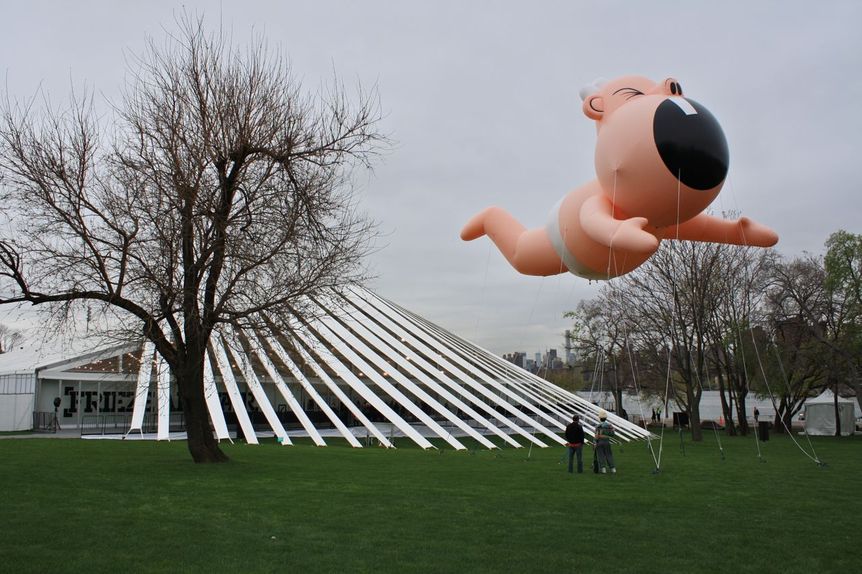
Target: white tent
x,y
820,415
353,364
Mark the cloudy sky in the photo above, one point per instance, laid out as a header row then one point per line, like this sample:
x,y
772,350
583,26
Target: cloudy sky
x,y
481,101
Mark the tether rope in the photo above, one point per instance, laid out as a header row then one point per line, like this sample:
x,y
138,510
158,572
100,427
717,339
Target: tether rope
x,y
787,383
715,430
814,458
748,383
616,292
482,291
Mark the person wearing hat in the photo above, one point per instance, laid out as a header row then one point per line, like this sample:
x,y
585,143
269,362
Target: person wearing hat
x,y
603,434
575,442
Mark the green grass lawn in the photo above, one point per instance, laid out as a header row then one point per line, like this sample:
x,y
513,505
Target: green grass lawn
x,y
112,506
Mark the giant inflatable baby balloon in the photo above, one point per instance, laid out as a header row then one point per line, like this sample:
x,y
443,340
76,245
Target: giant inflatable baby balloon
x,y
661,159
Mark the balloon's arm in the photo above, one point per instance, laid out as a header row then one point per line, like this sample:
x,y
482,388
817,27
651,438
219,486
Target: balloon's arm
x,y
742,231
598,222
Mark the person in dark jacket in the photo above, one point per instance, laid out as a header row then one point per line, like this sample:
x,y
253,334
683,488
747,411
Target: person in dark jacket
x,y
575,442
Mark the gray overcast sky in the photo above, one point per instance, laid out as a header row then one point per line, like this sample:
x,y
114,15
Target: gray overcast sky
x,y
481,99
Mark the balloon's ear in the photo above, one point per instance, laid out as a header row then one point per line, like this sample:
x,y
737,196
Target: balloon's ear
x,y
594,107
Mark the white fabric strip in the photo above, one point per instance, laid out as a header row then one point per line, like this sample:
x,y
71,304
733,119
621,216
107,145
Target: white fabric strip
x,y
419,331
315,396
503,368
292,403
357,385
491,401
163,392
229,381
396,352
213,401
445,368
256,388
142,389
387,387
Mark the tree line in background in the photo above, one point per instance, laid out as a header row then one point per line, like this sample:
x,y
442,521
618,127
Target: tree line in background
x,y
737,319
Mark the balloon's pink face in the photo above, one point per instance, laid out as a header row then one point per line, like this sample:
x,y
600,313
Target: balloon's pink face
x,y
659,154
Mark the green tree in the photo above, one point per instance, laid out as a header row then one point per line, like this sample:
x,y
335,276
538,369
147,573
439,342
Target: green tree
x,y
843,264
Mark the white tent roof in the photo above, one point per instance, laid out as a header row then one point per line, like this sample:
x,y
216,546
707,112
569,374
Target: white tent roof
x,y
820,414
354,353
34,354
827,396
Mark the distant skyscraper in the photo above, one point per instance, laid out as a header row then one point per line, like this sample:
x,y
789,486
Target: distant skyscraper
x,y
517,358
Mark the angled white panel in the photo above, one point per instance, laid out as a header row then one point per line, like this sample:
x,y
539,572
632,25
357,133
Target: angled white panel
x,y
497,365
213,401
253,383
142,388
534,389
373,355
229,381
462,381
348,378
394,349
292,403
503,376
345,342
456,359
315,396
367,393
163,392
444,368
466,358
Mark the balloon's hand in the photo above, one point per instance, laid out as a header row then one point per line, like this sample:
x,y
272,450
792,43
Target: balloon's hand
x,y
753,233
631,236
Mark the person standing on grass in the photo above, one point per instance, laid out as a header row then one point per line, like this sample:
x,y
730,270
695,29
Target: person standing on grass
x,y
575,442
603,434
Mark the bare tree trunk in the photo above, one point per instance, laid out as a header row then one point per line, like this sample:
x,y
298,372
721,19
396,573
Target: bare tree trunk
x,y
694,413
788,421
740,413
837,412
782,416
726,407
202,444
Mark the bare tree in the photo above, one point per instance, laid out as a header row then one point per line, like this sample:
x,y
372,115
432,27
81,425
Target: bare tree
x,y
744,273
599,335
677,322
675,296
843,263
820,324
9,338
221,194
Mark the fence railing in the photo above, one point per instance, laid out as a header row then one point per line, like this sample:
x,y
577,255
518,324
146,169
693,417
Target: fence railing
x,y
119,423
